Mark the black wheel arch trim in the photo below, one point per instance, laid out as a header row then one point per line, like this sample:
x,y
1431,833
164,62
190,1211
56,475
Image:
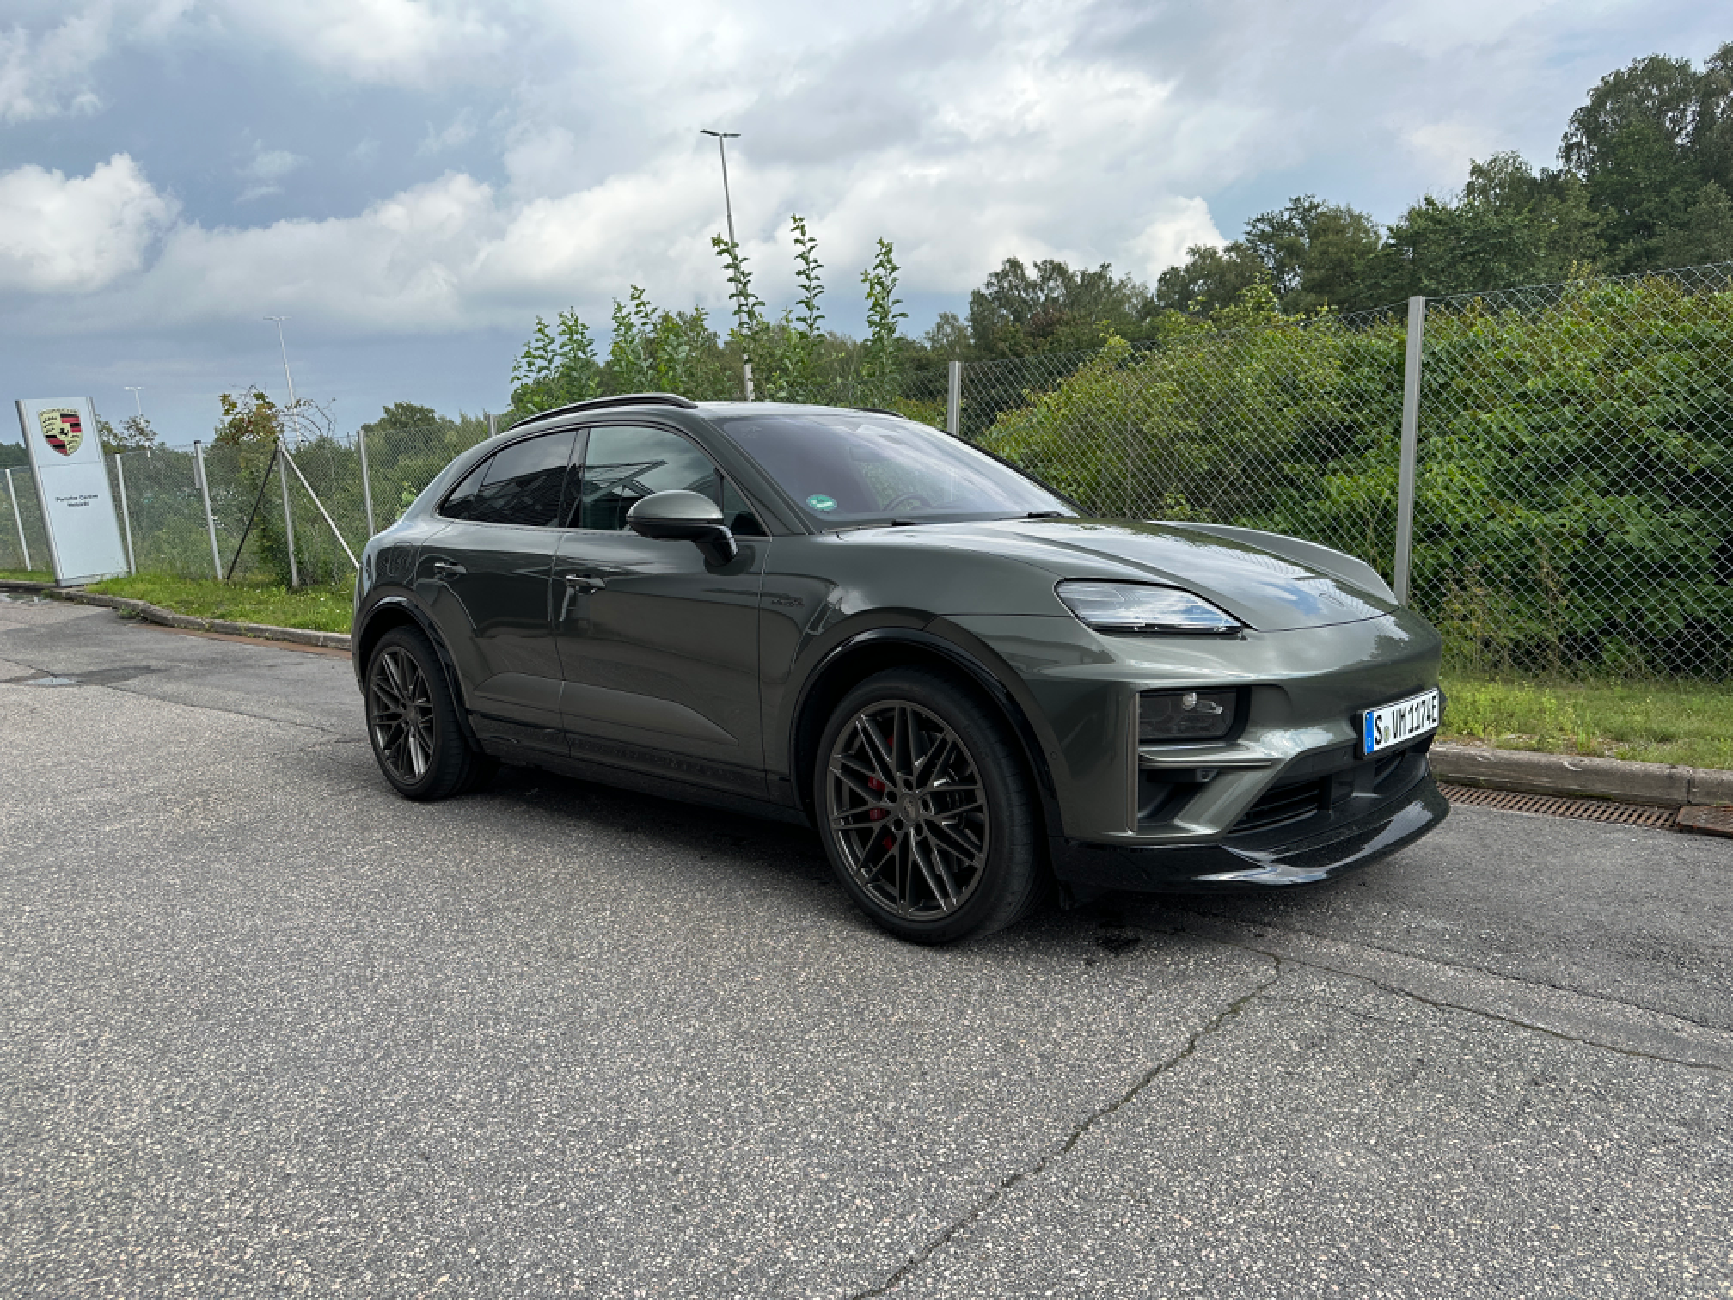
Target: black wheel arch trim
x,y
973,660
362,637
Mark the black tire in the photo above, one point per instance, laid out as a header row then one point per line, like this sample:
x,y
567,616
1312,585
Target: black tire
x,y
412,721
955,850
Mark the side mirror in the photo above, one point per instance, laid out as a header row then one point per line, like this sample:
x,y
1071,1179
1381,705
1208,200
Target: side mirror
x,y
684,516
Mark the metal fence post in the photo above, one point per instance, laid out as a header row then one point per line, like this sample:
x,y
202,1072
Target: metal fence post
x,y
288,518
125,512
210,519
1410,448
954,401
493,426
19,520
366,480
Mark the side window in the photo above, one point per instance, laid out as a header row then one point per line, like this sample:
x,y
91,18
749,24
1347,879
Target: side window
x,y
519,485
742,522
624,464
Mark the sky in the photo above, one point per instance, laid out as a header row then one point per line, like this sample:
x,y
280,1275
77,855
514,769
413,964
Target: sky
x,y
411,182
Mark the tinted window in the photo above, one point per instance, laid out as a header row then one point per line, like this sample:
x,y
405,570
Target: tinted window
x,y
844,467
520,485
625,464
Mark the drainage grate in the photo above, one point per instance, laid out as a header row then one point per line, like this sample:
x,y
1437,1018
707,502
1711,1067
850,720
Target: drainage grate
x,y
1551,805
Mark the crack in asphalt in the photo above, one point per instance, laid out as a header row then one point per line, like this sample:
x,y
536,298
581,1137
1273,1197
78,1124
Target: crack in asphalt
x,y
1444,1005
1457,966
1215,1025
87,681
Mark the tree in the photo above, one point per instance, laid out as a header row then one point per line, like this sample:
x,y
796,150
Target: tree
x,y
1209,279
251,419
1508,226
1052,308
134,434
882,356
1648,140
556,367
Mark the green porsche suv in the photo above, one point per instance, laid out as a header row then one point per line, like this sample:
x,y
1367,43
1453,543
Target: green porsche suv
x,y
977,696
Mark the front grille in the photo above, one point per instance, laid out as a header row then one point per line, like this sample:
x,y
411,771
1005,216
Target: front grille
x,y
1285,804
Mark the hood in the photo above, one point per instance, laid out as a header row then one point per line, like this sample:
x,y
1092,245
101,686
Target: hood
x,y
1263,590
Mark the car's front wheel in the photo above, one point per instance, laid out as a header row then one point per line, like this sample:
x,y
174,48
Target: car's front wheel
x,y
926,809
412,721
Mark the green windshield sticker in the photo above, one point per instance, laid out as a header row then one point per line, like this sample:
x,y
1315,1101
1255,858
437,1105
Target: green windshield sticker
x,y
819,501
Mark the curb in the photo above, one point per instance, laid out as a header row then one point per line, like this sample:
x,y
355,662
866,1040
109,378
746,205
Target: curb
x,y
186,622
1668,785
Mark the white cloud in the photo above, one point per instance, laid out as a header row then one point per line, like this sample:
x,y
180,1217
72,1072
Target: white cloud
x,y
460,131
1182,224
79,234
394,42
50,75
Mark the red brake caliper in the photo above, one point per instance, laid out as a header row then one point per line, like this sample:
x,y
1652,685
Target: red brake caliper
x,y
878,814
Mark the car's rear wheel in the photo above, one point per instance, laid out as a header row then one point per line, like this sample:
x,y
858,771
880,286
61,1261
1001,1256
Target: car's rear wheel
x,y
926,809
412,721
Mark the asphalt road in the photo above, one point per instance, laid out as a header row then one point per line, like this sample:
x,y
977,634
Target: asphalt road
x,y
269,1029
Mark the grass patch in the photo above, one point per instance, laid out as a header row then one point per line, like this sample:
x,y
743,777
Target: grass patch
x,y
323,609
1650,722
26,575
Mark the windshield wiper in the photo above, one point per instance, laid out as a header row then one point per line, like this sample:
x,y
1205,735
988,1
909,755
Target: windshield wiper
x,y
1046,514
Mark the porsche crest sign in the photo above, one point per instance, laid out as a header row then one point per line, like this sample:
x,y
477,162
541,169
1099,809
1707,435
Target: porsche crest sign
x,y
62,429
66,462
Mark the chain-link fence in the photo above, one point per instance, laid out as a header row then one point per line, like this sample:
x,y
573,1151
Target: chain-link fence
x,y
1573,470
299,519
23,540
1570,463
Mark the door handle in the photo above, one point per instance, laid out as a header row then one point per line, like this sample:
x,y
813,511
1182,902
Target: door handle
x,y
445,568
584,582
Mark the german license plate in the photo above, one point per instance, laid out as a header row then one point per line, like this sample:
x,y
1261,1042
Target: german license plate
x,y
1398,723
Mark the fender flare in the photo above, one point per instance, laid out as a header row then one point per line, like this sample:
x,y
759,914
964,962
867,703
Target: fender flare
x,y
404,604
960,657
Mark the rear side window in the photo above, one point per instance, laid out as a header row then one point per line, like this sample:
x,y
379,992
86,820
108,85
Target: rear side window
x,y
520,485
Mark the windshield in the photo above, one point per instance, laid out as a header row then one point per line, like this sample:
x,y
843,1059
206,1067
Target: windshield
x,y
846,467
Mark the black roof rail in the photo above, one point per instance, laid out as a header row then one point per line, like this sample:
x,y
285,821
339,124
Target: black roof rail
x,y
879,410
602,403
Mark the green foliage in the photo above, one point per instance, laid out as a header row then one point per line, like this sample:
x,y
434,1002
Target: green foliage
x,y
323,608
251,419
880,363
1051,308
556,367
135,433
1575,495
1643,721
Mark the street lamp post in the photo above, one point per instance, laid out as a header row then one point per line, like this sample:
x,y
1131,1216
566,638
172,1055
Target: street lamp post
x,y
287,377
135,390
722,138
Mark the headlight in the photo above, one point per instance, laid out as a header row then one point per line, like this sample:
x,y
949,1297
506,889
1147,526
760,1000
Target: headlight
x,y
1140,607
1185,715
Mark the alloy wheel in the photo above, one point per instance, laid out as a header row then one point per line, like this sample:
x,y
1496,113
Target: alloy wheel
x,y
908,810
400,712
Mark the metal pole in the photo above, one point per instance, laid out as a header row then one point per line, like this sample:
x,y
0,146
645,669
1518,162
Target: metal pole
x,y
954,401
210,519
722,137
19,520
493,426
366,481
320,506
125,513
1410,447
288,518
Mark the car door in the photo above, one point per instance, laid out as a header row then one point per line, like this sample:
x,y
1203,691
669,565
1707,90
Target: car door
x,y
657,644
484,578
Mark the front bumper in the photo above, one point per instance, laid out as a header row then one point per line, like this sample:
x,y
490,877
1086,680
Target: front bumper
x,y
1305,852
